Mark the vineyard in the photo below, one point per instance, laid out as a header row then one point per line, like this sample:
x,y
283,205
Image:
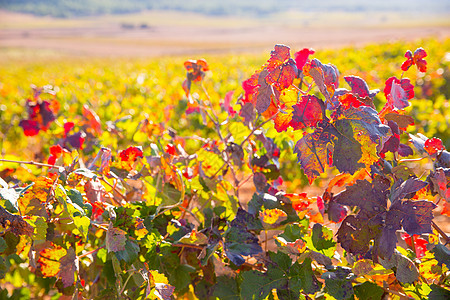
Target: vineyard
x,y
294,174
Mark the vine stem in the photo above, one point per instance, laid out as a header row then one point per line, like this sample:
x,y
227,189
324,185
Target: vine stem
x,y
248,137
90,252
441,232
29,163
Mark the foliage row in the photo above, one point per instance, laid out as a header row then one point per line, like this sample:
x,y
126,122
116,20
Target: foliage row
x,y
169,220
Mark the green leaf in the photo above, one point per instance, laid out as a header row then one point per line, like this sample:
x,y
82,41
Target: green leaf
x,y
3,244
302,276
3,267
438,293
181,277
130,253
226,288
77,198
256,285
40,230
322,237
338,283
442,254
239,240
293,232
406,270
368,290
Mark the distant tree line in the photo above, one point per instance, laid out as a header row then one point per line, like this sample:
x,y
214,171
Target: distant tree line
x,y
77,8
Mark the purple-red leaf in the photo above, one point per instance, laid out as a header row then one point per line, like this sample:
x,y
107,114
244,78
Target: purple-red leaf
x,y
418,216
314,152
307,113
398,92
326,77
226,104
416,59
359,87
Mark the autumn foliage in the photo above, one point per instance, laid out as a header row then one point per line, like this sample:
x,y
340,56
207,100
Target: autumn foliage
x,y
168,219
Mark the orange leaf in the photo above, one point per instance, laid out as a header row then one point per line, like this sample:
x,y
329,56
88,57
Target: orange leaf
x,y
49,260
271,216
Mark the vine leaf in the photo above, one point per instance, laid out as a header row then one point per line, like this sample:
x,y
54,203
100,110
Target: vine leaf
x,y
41,114
307,113
442,254
68,267
239,240
359,87
115,239
264,93
16,224
32,201
406,270
195,72
127,158
281,68
314,151
326,76
374,221
338,283
398,92
301,57
416,59
226,104
287,278
402,189
92,119
50,260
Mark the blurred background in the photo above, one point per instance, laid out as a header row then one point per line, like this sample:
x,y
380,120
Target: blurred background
x,y
172,27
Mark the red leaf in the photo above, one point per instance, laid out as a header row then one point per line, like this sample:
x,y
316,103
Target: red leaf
x,y
416,59
307,113
93,119
170,149
195,72
281,69
433,146
68,127
350,100
360,87
408,62
131,154
226,104
250,87
30,127
280,55
301,57
55,152
398,92
128,156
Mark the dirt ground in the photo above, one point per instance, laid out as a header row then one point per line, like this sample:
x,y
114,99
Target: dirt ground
x,y
136,37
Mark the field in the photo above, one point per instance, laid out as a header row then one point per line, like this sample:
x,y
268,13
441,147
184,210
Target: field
x,y
136,174
151,34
